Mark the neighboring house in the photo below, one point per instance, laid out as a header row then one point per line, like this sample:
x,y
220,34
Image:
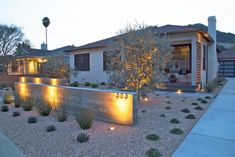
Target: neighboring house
x,y
194,57
227,63
28,61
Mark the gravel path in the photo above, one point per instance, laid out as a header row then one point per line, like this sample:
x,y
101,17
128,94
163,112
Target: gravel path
x,y
124,141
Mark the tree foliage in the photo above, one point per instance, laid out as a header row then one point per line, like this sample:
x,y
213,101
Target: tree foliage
x,y
23,45
138,57
55,67
46,22
10,36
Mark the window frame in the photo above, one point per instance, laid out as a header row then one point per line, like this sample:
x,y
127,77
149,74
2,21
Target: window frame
x,y
82,64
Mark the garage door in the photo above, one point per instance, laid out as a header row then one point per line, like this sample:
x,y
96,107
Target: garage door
x,y
227,68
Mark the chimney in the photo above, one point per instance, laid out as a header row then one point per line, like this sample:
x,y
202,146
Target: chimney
x,y
212,53
43,46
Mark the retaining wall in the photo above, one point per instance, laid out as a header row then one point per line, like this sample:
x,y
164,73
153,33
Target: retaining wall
x,y
107,105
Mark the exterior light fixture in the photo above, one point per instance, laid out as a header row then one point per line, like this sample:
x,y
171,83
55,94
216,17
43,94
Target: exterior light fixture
x,y
179,91
146,99
111,128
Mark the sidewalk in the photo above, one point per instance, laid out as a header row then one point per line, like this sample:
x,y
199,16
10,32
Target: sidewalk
x,y
8,149
214,134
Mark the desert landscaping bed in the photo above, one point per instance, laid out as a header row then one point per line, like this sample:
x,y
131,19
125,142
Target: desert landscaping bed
x,y
155,117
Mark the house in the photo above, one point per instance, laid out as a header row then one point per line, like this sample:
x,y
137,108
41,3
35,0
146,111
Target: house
x,y
226,60
28,61
194,53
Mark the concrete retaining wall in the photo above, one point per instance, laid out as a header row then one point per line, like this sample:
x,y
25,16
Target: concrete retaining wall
x,y
107,105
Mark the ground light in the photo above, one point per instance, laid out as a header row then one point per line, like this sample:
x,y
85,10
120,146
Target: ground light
x,y
111,128
179,91
146,99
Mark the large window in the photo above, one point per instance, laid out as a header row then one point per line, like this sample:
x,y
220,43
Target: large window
x,y
106,61
181,60
82,62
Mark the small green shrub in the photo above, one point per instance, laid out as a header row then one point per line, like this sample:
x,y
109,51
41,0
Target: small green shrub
x,y
174,121
190,116
74,84
168,107
18,101
51,128
152,137
28,104
94,85
168,102
82,137
167,97
176,131
84,117
183,100
5,108
162,115
204,102
195,104
153,152
185,110
16,114
32,119
207,97
210,86
7,99
87,84
102,83
199,99
43,108
143,111
198,108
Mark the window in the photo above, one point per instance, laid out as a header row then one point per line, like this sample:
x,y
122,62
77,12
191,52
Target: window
x,y
204,57
106,61
82,62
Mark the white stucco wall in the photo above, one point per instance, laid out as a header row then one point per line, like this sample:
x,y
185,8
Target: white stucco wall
x,y
96,73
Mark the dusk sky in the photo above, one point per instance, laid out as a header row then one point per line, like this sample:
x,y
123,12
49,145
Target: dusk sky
x,y
79,22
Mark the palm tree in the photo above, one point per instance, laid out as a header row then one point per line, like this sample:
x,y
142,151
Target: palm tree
x,y
46,23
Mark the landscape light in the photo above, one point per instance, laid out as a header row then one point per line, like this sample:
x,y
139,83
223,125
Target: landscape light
x,y
111,128
179,91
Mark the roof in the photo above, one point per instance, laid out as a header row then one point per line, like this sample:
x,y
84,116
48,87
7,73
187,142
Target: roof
x,y
42,53
167,29
227,54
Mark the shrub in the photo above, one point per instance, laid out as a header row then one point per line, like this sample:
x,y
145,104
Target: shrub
x,y
153,152
162,115
5,108
207,97
168,102
87,84
152,137
143,111
43,108
84,117
210,86
174,121
16,114
102,83
204,102
199,99
176,131
168,108
61,115
7,99
94,85
190,116
198,108
82,137
183,100
51,128
32,119
185,110
167,97
28,104
74,84
195,104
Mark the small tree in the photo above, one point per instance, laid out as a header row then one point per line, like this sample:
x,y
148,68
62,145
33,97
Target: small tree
x,y
55,67
138,57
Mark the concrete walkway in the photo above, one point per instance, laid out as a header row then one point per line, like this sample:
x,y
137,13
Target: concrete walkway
x,y
214,134
8,149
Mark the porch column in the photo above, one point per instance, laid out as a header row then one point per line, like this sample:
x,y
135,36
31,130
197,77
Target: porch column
x,y
194,62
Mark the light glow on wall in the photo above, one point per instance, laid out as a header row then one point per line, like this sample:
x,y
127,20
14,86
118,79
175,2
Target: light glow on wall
x,y
51,96
37,81
54,82
23,91
22,79
32,69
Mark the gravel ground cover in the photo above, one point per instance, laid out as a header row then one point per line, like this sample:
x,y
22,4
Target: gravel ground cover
x,y
126,141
